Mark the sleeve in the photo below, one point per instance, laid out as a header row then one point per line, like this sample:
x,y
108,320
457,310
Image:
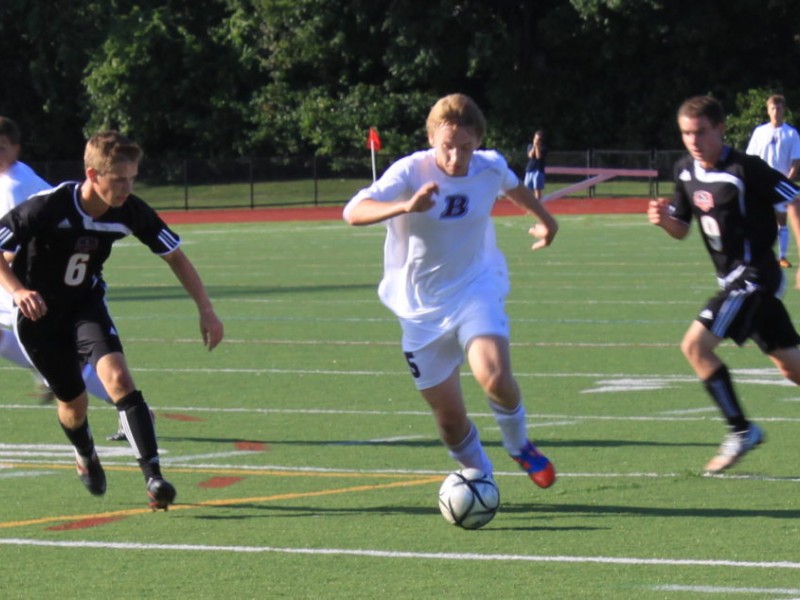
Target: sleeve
x,y
752,146
795,149
771,184
680,207
394,184
19,224
153,232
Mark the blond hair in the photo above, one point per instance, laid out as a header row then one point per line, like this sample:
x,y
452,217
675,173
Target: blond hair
x,y
457,110
107,148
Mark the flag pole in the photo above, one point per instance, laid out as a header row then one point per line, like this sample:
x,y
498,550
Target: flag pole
x,y
372,148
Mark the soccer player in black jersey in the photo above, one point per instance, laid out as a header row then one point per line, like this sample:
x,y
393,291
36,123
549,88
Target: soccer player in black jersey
x,y
732,196
61,239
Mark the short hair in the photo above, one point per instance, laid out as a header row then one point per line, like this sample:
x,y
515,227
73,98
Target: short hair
x,y
459,110
107,148
10,129
776,99
703,106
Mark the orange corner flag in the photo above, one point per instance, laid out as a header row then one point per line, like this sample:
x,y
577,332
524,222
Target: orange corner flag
x,y
373,140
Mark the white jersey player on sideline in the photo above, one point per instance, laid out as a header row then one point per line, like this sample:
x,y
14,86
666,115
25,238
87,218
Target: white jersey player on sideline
x,y
778,144
446,280
17,183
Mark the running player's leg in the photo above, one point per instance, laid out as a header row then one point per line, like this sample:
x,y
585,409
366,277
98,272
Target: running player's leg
x,y
50,346
490,362
436,372
100,344
729,314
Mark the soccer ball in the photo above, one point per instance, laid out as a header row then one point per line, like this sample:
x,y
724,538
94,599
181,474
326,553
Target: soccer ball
x,y
469,498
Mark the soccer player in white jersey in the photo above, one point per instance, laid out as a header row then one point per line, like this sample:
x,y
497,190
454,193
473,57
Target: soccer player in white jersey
x,y
17,183
778,144
446,280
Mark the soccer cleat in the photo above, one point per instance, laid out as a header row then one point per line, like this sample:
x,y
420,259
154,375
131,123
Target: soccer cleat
x,y
784,263
160,493
119,436
42,391
91,473
536,465
735,445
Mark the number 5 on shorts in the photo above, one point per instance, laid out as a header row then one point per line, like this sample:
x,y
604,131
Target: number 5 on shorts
x,y
412,365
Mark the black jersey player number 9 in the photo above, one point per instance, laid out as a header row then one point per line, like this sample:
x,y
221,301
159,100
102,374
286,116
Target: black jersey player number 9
x,y
713,234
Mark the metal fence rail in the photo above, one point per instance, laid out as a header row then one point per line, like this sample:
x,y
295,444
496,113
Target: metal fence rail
x,y
316,180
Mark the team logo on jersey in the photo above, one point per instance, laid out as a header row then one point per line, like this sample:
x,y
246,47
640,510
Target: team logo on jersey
x,y
86,244
703,200
454,207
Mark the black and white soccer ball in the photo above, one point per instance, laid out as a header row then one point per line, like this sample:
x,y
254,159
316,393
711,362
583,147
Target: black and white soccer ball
x,y
469,498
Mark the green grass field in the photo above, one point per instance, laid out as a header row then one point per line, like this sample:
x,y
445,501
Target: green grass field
x,y
307,466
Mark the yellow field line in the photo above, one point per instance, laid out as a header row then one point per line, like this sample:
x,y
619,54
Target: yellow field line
x,y
222,502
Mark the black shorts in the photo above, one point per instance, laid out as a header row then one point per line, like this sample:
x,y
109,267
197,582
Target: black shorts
x,y
750,313
61,342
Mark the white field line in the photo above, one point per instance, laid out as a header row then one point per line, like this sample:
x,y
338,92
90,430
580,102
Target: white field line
x,y
535,419
709,589
388,554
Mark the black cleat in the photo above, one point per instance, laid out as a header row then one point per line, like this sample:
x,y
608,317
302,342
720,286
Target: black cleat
x,y
160,493
91,474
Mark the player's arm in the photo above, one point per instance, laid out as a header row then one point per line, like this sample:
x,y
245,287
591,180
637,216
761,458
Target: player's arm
x,y
547,227
369,211
658,213
210,326
30,302
794,170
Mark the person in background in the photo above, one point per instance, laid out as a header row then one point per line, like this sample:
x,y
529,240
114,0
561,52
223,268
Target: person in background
x,y
534,168
17,183
778,144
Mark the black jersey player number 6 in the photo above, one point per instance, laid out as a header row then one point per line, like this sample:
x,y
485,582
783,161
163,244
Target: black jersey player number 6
x,y
77,267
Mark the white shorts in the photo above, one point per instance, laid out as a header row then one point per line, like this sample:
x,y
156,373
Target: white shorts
x,y
436,361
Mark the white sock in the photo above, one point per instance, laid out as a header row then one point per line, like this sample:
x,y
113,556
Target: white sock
x,y
783,241
512,426
10,349
469,453
93,384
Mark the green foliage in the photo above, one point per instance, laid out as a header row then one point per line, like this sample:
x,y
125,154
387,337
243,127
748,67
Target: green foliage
x,y
278,77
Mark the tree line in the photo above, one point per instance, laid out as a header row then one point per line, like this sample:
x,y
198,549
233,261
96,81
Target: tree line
x,y
227,78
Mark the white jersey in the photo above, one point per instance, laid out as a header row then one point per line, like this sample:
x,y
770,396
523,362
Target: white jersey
x,y
17,184
779,147
434,259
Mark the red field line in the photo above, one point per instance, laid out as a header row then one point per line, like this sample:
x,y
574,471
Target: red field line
x,y
566,206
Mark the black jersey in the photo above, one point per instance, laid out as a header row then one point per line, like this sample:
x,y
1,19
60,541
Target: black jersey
x,y
60,249
735,208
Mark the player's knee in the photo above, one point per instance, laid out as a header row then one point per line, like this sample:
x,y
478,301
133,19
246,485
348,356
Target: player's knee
x,y
498,385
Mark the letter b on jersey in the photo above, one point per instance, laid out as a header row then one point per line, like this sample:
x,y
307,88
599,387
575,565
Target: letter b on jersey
x,y
454,207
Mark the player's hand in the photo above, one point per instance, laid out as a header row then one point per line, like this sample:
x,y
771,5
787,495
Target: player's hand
x,y
797,280
543,234
211,329
30,303
423,199
658,210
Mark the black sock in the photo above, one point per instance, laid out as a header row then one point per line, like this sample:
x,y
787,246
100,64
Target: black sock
x,y
720,387
134,414
81,438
